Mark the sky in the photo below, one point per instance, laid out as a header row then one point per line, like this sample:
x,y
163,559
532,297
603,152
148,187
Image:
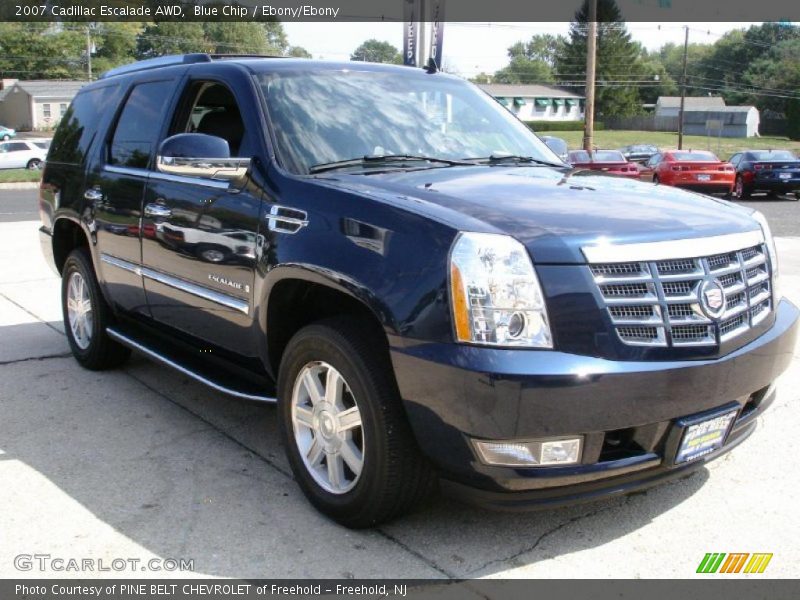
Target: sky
x,y
470,48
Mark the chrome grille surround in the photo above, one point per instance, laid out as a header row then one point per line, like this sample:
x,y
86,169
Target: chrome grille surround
x,y
657,301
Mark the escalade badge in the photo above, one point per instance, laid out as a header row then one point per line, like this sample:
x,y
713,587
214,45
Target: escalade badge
x,y
712,297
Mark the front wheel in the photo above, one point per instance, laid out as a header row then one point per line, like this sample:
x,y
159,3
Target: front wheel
x,y
6,137
86,316
345,433
655,179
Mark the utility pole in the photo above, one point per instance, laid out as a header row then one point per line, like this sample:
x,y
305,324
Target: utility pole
x,y
683,88
591,59
89,52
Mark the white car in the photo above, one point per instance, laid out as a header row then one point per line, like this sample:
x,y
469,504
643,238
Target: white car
x,y
22,154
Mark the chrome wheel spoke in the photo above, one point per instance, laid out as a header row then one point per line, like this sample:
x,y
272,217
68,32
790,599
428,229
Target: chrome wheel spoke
x,y
315,453
79,310
352,456
349,419
334,384
313,387
304,417
335,470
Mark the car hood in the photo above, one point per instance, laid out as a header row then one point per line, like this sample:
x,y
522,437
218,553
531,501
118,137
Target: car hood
x,y
554,212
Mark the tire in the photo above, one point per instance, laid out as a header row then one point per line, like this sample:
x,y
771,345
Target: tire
x,y
740,190
393,476
34,164
90,344
797,196
655,180
6,137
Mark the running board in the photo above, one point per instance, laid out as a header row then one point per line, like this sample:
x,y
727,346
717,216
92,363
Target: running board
x,y
163,357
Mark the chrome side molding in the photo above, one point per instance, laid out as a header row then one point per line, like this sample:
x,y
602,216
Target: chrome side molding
x,y
179,284
160,358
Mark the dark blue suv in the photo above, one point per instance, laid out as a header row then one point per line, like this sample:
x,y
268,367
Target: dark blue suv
x,y
428,293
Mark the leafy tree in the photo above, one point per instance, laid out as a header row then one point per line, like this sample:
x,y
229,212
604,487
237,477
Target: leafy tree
x,y
531,62
377,51
171,37
42,51
617,60
298,52
114,44
481,78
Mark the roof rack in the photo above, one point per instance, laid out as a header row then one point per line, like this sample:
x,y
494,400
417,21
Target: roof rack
x,y
177,59
154,63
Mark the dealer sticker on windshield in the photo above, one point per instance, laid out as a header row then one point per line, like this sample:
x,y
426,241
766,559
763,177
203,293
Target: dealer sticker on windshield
x,y
704,437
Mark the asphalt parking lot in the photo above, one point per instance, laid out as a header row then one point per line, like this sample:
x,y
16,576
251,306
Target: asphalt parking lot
x,y
143,463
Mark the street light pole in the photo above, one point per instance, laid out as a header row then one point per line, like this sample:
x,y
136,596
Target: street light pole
x,y
89,52
683,88
591,59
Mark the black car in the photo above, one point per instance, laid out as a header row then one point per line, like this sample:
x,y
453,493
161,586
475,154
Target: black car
x,y
423,288
639,153
557,145
773,171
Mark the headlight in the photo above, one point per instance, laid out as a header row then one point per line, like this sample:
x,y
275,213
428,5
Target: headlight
x,y
773,254
495,294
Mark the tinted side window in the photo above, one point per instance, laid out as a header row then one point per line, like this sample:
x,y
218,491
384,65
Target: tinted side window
x,y
78,128
139,124
16,147
735,159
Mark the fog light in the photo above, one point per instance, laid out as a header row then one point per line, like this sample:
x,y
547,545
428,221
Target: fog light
x,y
539,453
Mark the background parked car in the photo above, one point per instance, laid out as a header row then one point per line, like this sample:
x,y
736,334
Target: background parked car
x,y
773,171
609,161
639,153
557,145
6,133
691,169
21,154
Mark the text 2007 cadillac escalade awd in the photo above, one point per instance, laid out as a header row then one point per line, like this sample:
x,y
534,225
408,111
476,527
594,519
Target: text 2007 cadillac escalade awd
x,y
424,288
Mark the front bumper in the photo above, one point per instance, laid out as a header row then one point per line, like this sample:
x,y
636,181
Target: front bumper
x,y
626,411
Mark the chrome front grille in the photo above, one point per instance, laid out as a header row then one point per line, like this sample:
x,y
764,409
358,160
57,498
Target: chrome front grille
x,y
660,303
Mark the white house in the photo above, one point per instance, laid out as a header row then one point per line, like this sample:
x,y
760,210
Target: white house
x,y
736,121
538,102
36,104
670,106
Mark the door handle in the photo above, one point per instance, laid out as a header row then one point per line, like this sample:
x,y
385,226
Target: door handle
x,y
93,194
158,211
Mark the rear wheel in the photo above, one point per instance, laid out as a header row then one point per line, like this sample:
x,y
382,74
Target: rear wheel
x,y
34,164
740,190
345,433
86,316
655,179
6,137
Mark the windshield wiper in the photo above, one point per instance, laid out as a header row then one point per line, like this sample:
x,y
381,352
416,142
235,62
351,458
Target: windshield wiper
x,y
503,158
380,159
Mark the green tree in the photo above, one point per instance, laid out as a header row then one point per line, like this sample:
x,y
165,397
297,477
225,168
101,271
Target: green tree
x,y
481,78
618,60
42,51
114,44
168,37
531,62
298,52
377,51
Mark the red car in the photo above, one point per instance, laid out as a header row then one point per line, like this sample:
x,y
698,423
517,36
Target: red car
x,y
691,169
608,161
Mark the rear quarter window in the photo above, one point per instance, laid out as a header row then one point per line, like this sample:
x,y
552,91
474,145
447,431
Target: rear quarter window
x,y
78,128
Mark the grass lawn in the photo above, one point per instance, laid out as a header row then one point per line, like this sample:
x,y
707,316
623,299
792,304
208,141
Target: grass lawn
x,y
723,147
17,175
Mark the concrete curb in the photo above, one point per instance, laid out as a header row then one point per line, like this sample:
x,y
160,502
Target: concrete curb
x,y
20,185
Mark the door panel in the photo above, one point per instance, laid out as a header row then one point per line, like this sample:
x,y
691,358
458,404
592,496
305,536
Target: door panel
x,y
202,238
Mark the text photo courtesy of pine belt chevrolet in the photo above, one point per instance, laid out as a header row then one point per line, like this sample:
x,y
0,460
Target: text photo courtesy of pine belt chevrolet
x,y
425,290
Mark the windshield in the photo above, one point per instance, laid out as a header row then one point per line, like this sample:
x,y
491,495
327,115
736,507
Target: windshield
x,y
773,155
695,156
321,117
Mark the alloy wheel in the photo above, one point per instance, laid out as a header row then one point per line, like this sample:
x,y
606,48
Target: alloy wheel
x,y
327,427
79,310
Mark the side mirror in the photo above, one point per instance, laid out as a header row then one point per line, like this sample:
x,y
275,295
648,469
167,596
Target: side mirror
x,y
200,155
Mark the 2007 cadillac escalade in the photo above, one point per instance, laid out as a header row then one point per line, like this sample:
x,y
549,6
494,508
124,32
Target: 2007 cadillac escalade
x,y
427,292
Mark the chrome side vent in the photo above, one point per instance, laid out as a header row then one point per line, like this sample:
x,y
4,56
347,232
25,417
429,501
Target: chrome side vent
x,y
283,219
